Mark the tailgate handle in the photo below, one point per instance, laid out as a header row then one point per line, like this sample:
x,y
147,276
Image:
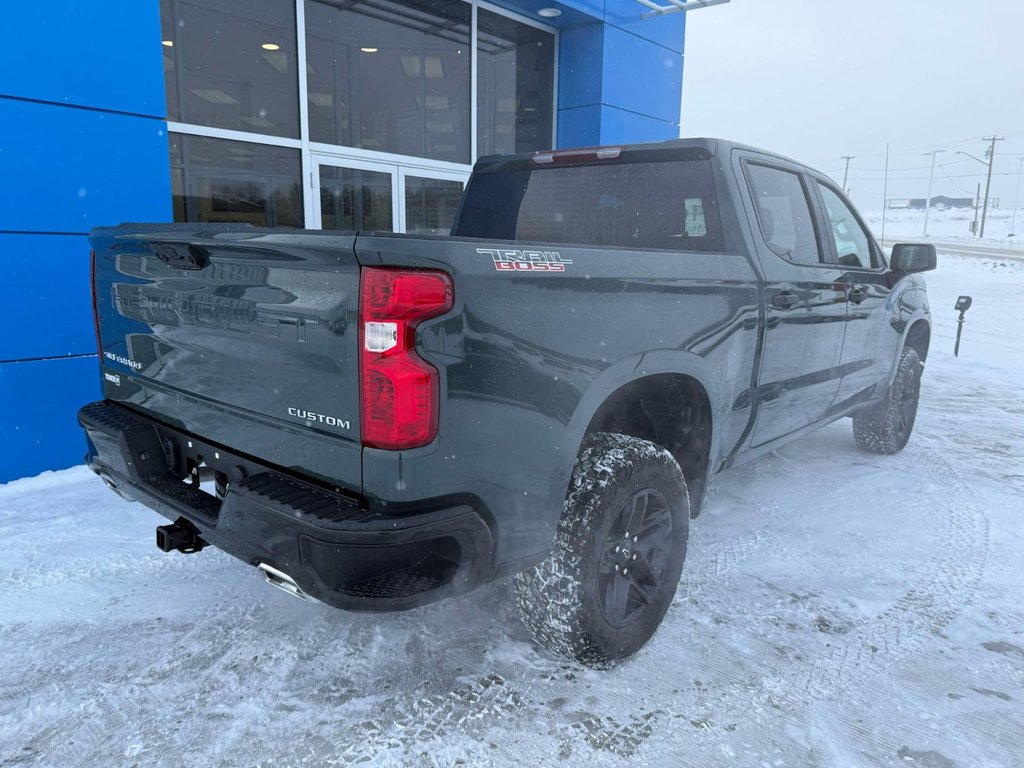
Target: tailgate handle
x,y
181,255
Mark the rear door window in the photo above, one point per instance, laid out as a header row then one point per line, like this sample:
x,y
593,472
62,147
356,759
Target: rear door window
x,y
668,205
784,214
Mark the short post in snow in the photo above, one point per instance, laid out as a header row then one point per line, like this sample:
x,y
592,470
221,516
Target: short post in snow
x,y
962,305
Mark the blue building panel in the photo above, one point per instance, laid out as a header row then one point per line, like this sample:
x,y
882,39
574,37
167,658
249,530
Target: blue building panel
x,y
579,127
599,124
53,300
620,126
68,170
103,55
641,76
39,401
580,64
668,31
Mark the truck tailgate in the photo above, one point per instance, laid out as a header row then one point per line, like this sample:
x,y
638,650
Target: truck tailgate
x,y
243,337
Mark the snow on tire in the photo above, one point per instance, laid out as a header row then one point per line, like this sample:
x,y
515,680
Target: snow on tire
x,y
886,427
617,554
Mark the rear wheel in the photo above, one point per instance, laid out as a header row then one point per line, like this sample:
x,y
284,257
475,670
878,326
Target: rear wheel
x,y
617,555
886,428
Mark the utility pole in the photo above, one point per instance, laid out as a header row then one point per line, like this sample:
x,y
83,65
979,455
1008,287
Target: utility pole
x,y
1016,196
928,200
885,192
988,181
977,205
846,171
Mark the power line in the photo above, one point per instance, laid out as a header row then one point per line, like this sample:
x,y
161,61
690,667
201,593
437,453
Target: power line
x,y
943,169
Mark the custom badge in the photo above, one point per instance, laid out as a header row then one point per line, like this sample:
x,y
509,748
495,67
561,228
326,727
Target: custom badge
x,y
514,260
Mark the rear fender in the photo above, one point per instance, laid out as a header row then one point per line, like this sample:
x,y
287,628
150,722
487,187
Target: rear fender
x,y
622,373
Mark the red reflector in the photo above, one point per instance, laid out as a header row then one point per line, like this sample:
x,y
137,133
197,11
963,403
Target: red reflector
x,y
399,390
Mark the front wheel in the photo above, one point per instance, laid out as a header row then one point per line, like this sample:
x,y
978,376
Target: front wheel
x,y
886,427
617,555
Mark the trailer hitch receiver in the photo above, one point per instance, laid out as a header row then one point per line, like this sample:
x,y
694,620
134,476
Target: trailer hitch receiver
x,y
180,536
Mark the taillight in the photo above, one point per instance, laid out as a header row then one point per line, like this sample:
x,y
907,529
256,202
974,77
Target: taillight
x,y
575,155
399,390
95,308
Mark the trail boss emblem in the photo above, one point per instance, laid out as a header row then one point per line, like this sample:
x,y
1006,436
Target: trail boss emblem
x,y
508,260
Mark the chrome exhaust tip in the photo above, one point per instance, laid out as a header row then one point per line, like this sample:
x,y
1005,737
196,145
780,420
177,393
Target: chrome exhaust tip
x,y
282,581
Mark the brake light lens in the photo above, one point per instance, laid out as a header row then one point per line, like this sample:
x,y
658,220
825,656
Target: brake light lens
x,y
398,389
575,155
95,308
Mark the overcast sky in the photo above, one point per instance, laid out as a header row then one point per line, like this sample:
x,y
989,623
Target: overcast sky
x,y
818,79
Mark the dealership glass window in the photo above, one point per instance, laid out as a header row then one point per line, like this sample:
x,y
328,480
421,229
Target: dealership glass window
x,y
231,65
355,199
390,76
353,83
515,85
216,180
430,205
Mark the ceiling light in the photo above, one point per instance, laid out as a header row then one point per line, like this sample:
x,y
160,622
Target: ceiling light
x,y
270,47
433,67
168,43
214,96
549,13
368,50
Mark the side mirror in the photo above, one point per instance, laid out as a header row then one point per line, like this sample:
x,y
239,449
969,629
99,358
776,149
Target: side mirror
x,y
912,257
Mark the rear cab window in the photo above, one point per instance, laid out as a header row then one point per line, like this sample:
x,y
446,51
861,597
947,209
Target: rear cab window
x,y
629,202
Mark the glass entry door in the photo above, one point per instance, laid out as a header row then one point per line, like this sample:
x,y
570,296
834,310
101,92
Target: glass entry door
x,y
430,200
357,196
384,197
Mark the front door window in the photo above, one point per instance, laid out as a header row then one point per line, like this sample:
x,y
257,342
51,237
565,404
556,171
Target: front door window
x,y
853,245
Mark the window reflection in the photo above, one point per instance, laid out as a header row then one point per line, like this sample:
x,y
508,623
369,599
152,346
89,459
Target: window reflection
x,y
515,85
215,180
430,205
231,65
352,199
390,76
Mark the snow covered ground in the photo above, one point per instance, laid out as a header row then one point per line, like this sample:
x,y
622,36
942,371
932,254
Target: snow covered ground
x,y
837,609
950,226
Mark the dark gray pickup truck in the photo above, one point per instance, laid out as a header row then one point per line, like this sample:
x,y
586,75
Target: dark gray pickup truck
x,y
381,420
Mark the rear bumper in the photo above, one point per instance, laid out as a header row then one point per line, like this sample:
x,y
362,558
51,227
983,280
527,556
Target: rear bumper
x,y
331,545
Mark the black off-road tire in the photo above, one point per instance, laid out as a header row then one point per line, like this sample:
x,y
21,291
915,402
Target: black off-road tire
x,y
886,427
570,602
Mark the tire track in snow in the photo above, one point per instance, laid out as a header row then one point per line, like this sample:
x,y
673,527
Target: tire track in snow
x,y
853,668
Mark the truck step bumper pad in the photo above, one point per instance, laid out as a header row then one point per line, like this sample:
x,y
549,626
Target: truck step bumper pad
x,y
335,549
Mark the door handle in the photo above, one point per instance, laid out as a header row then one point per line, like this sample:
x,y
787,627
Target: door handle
x,y
785,300
857,294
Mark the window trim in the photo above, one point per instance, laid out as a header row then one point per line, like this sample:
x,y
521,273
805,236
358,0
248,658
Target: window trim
x,y
812,208
311,152
872,242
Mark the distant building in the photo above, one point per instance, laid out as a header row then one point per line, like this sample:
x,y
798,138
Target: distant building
x,y
940,201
